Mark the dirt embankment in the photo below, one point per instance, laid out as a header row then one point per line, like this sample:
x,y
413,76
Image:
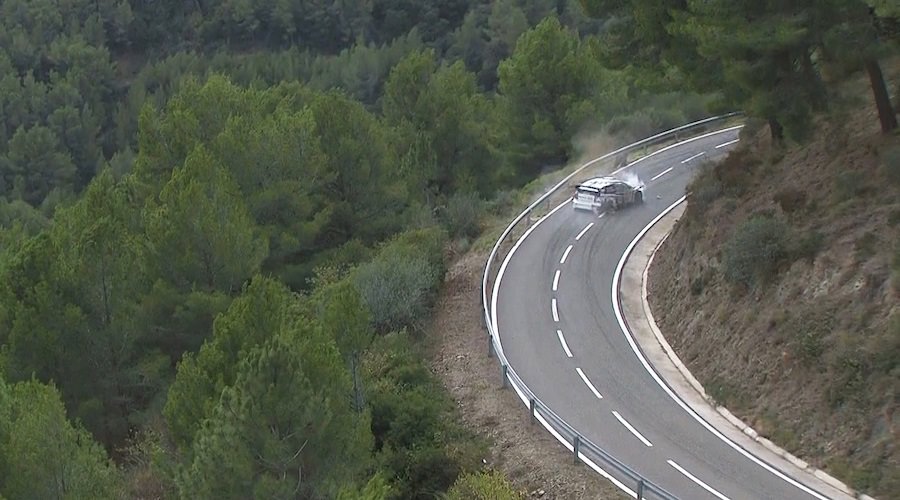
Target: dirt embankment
x,y
779,289
526,453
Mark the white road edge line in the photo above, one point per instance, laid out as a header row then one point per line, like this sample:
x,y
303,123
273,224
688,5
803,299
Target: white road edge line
x,y
589,384
631,428
664,172
682,143
696,480
556,280
495,294
555,312
729,143
562,340
525,400
617,276
698,155
565,255
584,231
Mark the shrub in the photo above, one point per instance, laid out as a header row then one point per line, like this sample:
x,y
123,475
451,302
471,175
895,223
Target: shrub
x,y
460,215
849,184
893,218
865,246
399,285
807,246
705,189
483,486
734,172
419,443
850,368
806,331
890,160
755,250
697,286
398,290
790,199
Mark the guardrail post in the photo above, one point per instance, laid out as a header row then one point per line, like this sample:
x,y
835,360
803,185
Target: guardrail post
x,y
490,346
576,443
504,369
640,489
531,405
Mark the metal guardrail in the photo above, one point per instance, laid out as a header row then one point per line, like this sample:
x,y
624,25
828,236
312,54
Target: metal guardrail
x,y
583,449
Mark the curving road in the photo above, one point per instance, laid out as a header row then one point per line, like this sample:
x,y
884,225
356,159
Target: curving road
x,y
555,318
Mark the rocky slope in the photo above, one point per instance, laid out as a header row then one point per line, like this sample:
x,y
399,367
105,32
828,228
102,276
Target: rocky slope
x,y
779,288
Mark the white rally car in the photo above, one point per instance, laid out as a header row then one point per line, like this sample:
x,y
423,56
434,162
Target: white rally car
x,y
607,193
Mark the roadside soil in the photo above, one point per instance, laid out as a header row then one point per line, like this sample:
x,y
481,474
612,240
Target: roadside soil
x,y
526,453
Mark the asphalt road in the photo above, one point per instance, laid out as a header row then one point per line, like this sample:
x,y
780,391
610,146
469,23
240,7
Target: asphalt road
x,y
558,329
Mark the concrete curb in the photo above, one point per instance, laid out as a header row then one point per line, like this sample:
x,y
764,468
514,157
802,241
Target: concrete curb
x,y
721,410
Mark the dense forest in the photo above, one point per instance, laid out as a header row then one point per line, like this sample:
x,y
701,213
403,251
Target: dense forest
x,y
223,224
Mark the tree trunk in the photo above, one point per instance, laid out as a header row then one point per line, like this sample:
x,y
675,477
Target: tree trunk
x,y
359,403
882,100
777,130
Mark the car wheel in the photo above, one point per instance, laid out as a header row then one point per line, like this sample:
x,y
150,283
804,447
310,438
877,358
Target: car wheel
x,y
639,197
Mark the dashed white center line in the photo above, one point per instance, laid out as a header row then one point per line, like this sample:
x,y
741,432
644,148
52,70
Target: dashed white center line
x,y
555,312
584,231
729,143
556,280
588,383
562,340
630,428
698,155
664,172
565,255
696,480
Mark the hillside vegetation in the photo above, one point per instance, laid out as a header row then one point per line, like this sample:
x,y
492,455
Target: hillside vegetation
x,y
779,288
224,225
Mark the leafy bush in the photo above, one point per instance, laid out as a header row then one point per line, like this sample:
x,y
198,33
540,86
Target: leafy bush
x,y
418,442
400,284
398,290
755,250
460,215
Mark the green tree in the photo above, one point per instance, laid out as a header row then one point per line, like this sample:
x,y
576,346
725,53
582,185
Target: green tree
x,y
280,431
546,89
345,317
200,231
264,308
42,455
71,300
440,110
362,191
854,38
35,164
278,164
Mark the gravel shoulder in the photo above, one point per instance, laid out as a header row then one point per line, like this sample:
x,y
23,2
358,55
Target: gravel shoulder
x,y
527,454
